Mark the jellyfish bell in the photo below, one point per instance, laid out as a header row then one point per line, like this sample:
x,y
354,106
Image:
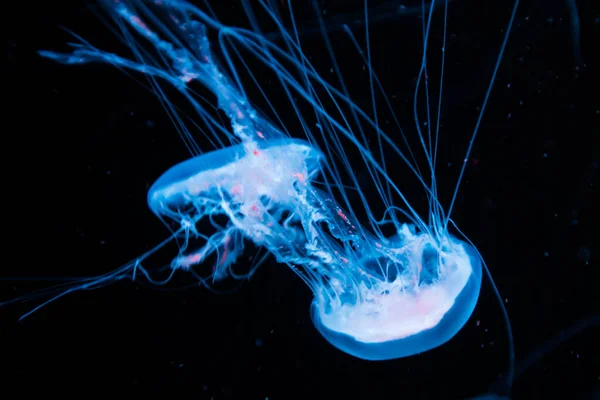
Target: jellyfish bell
x,y
422,306
243,172
252,184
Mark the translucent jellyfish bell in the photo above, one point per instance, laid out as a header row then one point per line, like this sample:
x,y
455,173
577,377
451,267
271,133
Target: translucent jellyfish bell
x,y
412,313
245,172
253,184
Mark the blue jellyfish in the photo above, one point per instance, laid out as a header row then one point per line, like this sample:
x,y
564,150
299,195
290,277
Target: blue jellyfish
x,y
374,299
377,295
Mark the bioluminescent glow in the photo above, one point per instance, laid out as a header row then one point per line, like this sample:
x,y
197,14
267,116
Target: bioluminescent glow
x,y
376,296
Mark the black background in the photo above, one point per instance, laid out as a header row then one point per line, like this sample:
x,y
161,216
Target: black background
x,y
83,144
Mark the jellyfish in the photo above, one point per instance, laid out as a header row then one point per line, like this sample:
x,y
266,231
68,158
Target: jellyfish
x,y
377,295
374,301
